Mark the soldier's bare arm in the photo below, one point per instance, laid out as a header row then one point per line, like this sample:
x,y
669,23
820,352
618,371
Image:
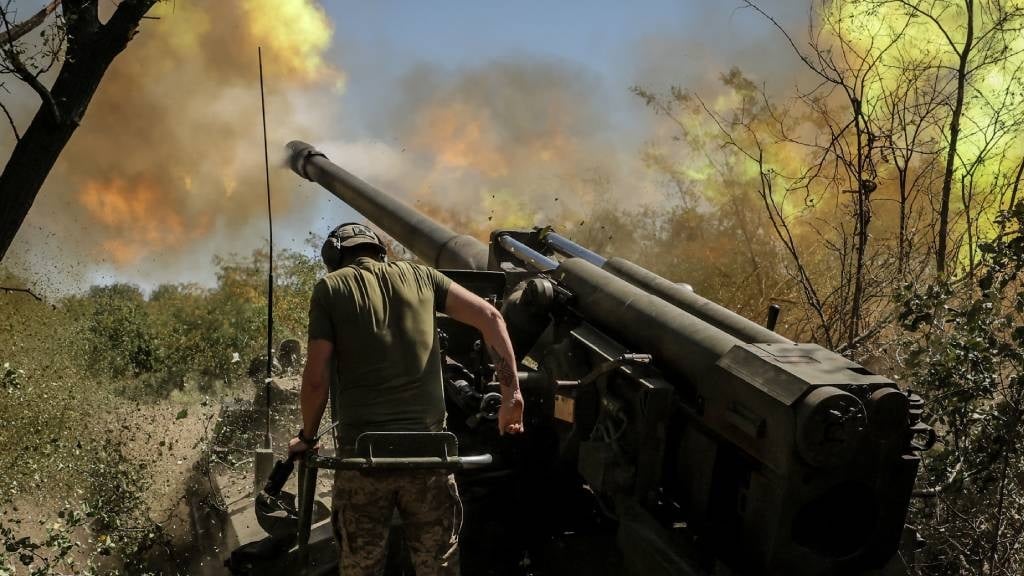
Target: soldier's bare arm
x,y
468,308
315,385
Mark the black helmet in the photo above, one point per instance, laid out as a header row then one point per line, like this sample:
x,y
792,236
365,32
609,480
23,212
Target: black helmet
x,y
347,236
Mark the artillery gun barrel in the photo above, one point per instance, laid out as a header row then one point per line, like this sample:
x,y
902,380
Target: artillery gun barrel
x,y
433,243
679,296
679,339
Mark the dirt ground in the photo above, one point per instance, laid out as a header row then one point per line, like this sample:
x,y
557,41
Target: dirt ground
x,y
168,437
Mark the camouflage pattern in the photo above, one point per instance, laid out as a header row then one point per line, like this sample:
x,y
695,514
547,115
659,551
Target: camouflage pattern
x,y
428,503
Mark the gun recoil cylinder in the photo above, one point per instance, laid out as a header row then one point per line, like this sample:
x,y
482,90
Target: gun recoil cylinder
x,y
679,296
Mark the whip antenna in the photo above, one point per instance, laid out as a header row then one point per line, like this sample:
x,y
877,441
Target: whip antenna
x,y
270,253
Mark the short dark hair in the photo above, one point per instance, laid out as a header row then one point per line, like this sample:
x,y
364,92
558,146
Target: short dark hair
x,y
367,250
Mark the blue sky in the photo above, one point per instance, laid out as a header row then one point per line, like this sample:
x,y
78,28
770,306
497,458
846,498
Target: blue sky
x,y
656,43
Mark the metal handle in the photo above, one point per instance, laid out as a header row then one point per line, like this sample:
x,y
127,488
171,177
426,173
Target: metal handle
x,y
452,463
418,444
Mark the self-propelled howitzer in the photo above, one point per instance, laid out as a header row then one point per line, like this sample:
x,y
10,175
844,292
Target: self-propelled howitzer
x,y
704,439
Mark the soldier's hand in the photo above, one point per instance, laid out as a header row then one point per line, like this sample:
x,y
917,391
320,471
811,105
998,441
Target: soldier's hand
x,y
297,447
510,414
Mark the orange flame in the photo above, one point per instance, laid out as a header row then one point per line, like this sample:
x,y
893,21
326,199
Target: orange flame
x,y
460,136
179,109
138,218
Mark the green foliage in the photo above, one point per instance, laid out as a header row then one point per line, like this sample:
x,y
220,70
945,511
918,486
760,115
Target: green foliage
x,y
967,361
120,337
60,443
112,517
115,502
176,324
68,369
184,332
295,276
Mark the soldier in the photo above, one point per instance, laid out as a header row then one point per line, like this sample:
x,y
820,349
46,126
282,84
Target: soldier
x,y
375,320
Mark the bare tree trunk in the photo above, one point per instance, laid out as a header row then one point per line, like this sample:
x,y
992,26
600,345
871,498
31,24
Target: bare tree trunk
x,y
902,250
954,135
92,46
864,189
967,197
1016,186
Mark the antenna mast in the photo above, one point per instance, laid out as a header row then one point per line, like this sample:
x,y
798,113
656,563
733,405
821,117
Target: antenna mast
x,y
270,253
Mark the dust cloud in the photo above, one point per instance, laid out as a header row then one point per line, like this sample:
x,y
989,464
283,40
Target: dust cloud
x,y
166,170
167,167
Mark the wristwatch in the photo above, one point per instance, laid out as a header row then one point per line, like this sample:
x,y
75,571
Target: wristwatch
x,y
307,441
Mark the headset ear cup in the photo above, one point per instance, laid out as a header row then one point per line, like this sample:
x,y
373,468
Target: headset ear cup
x,y
331,253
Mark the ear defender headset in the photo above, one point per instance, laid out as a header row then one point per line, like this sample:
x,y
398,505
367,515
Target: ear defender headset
x,y
345,236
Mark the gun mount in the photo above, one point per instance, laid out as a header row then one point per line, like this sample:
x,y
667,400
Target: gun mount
x,y
666,434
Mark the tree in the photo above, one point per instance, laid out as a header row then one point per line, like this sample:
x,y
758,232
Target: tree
x,y
707,229
893,157
842,104
976,37
817,164
85,46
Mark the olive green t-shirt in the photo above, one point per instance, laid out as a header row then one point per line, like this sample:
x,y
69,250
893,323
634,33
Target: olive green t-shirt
x,y
380,317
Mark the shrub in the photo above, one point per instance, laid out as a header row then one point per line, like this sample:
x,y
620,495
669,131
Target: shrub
x,y
966,359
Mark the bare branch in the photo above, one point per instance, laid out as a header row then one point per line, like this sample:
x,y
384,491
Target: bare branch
x,y
816,69
26,75
12,34
916,8
10,119
8,290
125,20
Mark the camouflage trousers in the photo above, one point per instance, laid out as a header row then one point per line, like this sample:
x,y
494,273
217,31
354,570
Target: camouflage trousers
x,y
428,503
